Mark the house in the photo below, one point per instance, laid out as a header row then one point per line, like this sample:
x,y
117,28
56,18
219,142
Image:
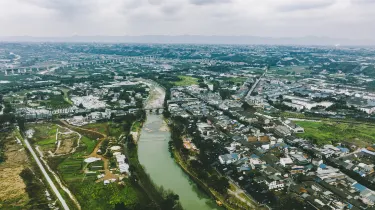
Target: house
x,y
293,127
255,161
368,109
300,159
282,130
244,169
274,182
229,158
286,161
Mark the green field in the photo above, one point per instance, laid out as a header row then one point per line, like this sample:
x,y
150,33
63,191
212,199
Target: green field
x,y
90,144
47,142
235,80
328,132
56,102
66,95
290,70
98,127
45,134
186,81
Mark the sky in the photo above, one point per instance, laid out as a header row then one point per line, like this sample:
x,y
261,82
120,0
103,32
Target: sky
x,y
353,19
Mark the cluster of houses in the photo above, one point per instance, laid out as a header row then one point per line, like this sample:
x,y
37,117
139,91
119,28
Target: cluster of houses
x,y
268,154
309,94
278,165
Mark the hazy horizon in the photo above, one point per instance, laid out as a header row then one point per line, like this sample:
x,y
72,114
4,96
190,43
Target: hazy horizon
x,y
337,19
195,39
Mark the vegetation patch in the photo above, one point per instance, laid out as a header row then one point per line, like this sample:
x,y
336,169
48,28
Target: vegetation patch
x,y
328,132
89,143
98,127
186,81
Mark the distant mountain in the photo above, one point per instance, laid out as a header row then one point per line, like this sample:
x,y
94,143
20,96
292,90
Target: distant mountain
x,y
196,39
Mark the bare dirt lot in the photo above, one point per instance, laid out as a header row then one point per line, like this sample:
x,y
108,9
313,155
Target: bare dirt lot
x,y
12,187
67,142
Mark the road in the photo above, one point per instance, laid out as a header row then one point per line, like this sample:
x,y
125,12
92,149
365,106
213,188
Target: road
x,y
256,83
49,180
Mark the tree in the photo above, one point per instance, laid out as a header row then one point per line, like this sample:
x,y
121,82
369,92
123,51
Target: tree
x,y
81,106
254,93
21,124
225,93
203,85
221,184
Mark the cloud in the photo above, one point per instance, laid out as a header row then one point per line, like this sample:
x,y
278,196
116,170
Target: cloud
x,y
67,9
291,18
305,5
206,2
363,1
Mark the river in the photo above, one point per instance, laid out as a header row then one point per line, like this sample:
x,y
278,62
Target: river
x,y
154,156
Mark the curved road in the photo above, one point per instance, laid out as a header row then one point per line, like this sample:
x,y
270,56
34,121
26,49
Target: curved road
x,y
49,180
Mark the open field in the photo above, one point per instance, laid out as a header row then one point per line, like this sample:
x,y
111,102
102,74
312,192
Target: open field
x,y
240,80
328,132
98,127
186,81
89,143
56,102
44,135
90,193
67,142
290,70
13,190
66,95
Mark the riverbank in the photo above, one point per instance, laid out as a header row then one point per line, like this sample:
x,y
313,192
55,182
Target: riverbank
x,y
164,171
157,194
219,200
219,187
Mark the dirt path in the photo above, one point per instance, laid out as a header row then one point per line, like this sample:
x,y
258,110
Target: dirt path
x,y
94,152
237,195
107,172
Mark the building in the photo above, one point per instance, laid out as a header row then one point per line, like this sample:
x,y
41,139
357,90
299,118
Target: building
x,y
286,161
229,158
282,130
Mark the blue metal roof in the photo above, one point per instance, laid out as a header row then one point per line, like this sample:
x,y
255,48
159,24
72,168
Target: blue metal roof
x,y
359,187
234,155
323,166
343,149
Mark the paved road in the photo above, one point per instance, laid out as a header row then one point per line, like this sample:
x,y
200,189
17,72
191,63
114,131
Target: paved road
x,y
49,180
256,83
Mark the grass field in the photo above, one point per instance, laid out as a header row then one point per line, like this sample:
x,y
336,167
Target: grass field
x,y
332,132
290,69
90,144
99,127
45,134
66,95
240,80
47,142
186,81
56,102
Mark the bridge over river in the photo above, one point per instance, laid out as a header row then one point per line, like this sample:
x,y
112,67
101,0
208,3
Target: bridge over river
x,y
154,156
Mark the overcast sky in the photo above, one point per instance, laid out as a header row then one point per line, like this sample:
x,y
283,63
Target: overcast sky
x,y
274,18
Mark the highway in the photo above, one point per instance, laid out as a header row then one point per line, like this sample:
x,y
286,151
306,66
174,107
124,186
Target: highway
x,y
49,180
